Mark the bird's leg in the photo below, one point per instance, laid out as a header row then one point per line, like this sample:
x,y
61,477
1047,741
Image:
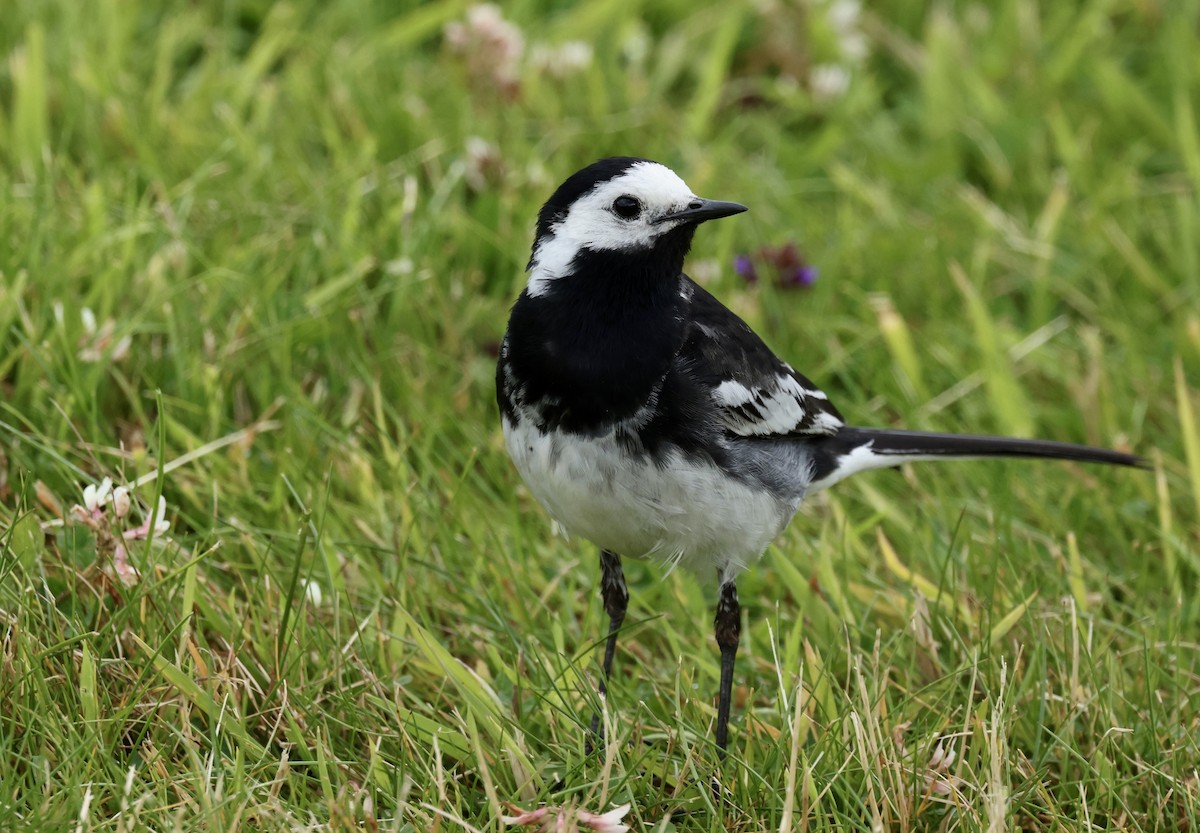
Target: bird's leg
x,y
729,631
616,599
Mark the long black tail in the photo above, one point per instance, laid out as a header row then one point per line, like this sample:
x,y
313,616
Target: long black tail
x,y
852,450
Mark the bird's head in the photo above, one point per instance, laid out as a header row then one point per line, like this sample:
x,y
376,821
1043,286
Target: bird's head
x,y
621,205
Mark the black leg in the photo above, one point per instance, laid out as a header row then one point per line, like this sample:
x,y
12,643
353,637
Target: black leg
x,y
729,631
616,599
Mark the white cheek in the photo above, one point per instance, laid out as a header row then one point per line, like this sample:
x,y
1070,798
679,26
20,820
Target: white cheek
x,y
596,229
601,229
551,261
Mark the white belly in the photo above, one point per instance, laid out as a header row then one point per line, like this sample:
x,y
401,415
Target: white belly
x,y
681,512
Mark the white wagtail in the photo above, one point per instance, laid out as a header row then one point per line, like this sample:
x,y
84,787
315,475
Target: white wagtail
x,y
650,420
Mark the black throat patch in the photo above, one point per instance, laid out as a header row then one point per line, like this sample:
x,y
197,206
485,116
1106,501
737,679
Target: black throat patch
x,y
596,345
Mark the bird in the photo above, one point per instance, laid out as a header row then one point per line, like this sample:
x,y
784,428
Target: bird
x,y
647,418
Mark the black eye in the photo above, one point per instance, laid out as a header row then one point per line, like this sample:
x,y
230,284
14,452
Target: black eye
x,y
627,208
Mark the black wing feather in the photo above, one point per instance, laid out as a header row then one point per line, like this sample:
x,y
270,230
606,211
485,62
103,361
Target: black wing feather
x,y
756,394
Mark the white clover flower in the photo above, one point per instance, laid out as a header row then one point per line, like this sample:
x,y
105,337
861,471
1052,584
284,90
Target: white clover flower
x,y
554,819
491,45
312,592
525,817
121,348
121,566
98,339
938,779
829,81
96,496
121,501
484,163
843,17
575,55
609,822
942,759
636,47
562,60
161,524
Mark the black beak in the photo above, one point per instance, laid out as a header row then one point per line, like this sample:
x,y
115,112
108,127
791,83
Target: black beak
x,y
699,210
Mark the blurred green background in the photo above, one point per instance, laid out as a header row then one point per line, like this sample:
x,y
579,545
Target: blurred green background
x,y
256,260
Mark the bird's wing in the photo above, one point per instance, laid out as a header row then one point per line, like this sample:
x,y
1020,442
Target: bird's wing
x,y
756,393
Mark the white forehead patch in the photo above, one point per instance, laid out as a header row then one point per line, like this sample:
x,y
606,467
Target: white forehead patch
x,y
650,182
591,223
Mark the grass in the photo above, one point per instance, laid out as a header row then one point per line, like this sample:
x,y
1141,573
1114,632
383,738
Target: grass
x,y
359,619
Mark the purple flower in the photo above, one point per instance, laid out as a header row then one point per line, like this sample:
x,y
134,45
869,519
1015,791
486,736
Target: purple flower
x,y
799,277
744,266
783,262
